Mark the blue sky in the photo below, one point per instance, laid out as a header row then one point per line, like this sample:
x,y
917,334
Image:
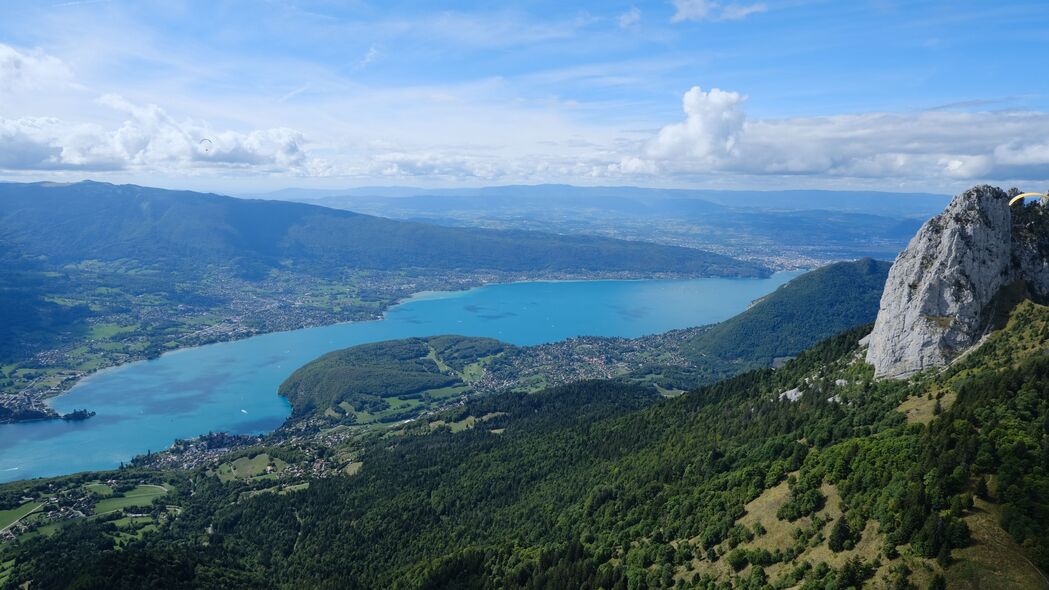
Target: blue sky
x,y
735,94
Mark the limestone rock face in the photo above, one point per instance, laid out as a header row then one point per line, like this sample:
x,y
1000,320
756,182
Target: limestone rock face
x,y
942,291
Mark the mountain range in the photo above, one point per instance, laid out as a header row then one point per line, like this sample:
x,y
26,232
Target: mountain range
x,y
921,205
782,228
88,220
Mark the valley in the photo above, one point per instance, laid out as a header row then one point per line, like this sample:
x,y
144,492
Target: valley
x,y
757,451
96,275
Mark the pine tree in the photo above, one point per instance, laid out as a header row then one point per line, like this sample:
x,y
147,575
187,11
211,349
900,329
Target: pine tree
x,y
840,536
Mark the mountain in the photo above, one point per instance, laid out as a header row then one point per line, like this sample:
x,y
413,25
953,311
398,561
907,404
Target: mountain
x,y
780,228
93,275
88,220
958,278
813,306
919,205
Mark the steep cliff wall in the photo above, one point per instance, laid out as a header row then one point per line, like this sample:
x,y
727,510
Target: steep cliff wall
x,y
946,290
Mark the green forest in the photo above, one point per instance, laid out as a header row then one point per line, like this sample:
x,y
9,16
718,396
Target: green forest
x,y
365,378
799,314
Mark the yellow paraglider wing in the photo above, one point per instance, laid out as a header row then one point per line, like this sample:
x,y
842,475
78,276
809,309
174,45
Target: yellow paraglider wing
x,y
1024,196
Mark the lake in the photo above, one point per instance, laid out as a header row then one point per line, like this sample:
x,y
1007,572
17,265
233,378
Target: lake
x,y
232,386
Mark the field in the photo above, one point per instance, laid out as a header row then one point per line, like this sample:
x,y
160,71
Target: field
x,y
99,488
142,495
258,467
465,423
921,409
9,517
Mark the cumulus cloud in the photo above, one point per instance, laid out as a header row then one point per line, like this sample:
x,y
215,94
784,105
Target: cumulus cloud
x,y
709,10
148,138
717,137
713,124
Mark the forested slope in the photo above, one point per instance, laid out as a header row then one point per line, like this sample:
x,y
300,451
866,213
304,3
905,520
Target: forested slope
x,y
797,315
365,378
812,476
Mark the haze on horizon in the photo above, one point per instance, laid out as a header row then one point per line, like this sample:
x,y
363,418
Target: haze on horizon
x,y
916,96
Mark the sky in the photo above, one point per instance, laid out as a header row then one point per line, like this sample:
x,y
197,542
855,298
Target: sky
x,y
246,97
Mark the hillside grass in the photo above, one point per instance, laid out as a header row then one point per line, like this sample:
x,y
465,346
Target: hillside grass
x,y
255,467
139,497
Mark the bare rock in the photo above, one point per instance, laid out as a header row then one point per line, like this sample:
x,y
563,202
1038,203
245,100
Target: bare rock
x,y
938,295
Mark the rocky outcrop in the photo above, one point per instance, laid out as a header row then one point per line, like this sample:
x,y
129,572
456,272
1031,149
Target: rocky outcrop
x,y
946,290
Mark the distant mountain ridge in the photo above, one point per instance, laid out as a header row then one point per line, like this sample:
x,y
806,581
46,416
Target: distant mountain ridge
x,y
872,202
96,220
783,229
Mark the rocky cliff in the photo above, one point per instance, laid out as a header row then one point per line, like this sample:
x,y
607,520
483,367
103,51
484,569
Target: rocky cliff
x,y
959,275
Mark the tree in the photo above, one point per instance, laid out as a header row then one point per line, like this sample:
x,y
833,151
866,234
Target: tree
x,y
840,536
737,558
981,488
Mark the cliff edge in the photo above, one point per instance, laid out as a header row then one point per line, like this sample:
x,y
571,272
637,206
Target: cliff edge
x,y
959,275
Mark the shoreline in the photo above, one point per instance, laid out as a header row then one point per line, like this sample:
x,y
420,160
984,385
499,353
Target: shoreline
x,y
415,296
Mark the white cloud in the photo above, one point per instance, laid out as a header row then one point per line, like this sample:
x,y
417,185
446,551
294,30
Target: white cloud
x,y
713,124
29,71
629,18
717,138
709,10
482,131
148,139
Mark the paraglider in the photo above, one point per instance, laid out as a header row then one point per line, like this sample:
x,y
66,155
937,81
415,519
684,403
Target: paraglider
x,y
1023,196
205,145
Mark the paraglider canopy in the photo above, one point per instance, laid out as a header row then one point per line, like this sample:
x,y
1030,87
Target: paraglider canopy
x,y
205,145
1023,196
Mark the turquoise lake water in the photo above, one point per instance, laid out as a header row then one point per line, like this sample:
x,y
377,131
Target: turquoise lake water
x,y
232,386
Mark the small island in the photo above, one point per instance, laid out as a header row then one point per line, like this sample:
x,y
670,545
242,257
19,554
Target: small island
x,y
78,415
